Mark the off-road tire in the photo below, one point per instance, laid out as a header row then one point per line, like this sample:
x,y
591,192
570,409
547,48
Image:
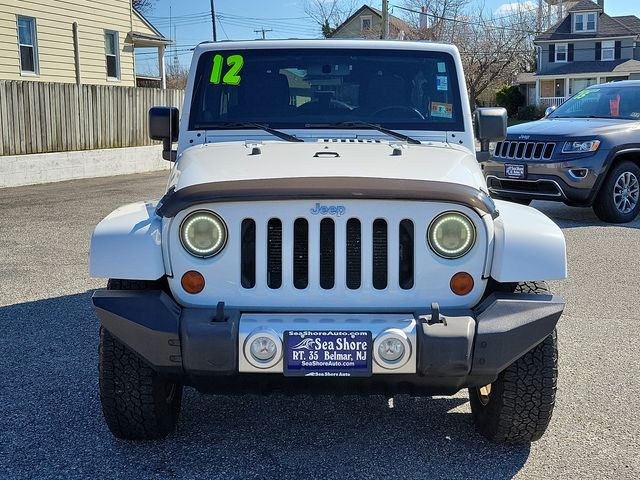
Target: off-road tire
x,y
520,403
604,206
137,403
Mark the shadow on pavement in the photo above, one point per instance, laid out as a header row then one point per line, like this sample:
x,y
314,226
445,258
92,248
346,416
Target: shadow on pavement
x,y
52,425
575,217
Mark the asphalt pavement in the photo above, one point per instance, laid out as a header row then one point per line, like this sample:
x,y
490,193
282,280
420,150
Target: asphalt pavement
x,y
51,425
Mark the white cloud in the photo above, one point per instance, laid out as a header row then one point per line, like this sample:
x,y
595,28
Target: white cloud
x,y
516,7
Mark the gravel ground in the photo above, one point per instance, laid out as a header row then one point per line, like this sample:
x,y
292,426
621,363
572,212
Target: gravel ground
x,y
51,424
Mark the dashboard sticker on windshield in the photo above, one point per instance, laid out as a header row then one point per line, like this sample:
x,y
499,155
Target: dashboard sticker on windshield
x,y
231,77
442,110
442,83
586,92
442,67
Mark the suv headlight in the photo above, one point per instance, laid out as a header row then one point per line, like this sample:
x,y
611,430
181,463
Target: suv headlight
x,y
451,235
581,147
203,234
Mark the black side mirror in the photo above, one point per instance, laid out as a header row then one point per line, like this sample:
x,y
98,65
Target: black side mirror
x,y
164,125
490,125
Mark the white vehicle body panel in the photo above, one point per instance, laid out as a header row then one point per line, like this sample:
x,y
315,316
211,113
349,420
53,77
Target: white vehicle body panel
x,y
521,244
218,162
528,245
128,244
432,273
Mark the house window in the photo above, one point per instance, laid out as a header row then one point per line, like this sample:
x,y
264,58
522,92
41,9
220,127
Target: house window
x,y
113,57
584,22
578,84
579,25
365,23
608,50
27,45
561,52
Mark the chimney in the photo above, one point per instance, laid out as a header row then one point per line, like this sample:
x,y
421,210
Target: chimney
x,y
424,19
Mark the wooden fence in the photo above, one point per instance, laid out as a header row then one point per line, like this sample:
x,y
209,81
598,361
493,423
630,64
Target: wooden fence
x,y
37,117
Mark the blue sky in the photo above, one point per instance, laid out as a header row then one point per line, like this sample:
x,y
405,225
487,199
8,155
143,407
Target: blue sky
x,y
286,18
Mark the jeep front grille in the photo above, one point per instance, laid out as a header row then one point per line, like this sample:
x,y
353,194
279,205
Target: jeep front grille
x,y
325,244
524,150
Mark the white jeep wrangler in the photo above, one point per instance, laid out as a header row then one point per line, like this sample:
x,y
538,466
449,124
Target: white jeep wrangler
x,y
327,229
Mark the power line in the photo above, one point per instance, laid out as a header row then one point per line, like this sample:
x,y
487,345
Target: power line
x,y
263,31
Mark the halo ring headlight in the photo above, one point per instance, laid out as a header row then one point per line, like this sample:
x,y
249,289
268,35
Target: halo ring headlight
x,y
451,235
203,233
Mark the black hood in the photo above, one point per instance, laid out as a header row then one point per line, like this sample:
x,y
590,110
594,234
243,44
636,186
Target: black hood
x,y
569,127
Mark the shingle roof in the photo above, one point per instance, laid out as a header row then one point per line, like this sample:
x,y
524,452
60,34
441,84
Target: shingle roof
x,y
615,66
526,77
607,27
395,21
630,21
585,6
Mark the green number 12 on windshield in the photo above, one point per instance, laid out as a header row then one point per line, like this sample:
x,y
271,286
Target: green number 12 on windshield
x,y
234,62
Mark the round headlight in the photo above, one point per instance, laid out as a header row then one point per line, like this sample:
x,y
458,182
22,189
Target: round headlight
x,y
451,235
203,234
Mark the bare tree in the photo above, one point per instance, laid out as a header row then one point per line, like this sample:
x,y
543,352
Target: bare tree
x,y
494,48
143,5
329,14
177,76
435,19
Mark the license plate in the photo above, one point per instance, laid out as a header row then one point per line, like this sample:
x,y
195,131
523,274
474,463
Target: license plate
x,y
327,353
513,170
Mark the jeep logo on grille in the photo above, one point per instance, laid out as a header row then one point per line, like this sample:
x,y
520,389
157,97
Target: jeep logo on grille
x,y
524,137
337,210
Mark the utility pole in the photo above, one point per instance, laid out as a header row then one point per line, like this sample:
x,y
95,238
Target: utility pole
x,y
213,21
385,19
263,31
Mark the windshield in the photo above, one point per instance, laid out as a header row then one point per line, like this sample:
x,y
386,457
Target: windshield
x,y
312,88
602,102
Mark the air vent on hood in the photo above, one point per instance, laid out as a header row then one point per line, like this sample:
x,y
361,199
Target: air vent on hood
x,y
349,140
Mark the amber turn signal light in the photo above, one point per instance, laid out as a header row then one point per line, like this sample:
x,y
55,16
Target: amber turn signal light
x,y
461,283
192,282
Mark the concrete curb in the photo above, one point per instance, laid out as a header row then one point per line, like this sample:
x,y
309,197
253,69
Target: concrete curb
x,y
18,170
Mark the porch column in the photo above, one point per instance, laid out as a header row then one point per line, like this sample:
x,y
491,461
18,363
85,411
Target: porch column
x,y
161,69
566,87
537,91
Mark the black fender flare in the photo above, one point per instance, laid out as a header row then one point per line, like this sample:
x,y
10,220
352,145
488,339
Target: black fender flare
x,y
609,162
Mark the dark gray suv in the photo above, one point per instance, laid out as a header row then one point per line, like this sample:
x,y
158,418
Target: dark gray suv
x,y
584,153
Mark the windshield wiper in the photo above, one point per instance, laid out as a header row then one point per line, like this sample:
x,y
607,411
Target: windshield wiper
x,y
259,126
386,131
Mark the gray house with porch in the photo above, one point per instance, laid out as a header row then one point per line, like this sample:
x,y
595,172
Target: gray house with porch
x,y
586,47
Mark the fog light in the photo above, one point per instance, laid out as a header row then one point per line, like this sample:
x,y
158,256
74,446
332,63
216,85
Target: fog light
x,y
263,348
391,349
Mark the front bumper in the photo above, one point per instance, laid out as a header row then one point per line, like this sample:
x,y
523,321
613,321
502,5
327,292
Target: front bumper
x,y
575,181
200,347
